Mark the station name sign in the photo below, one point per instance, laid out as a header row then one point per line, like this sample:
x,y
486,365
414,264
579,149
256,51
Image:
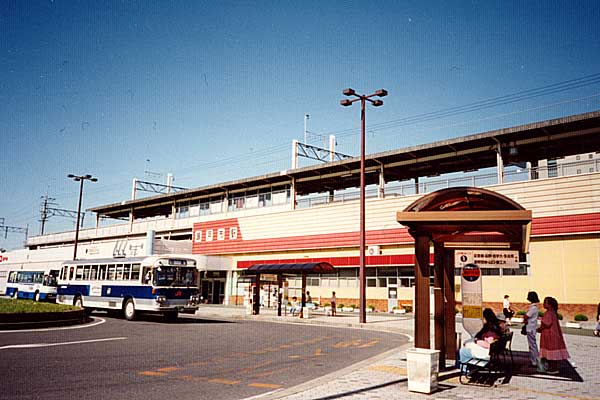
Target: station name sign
x,y
487,258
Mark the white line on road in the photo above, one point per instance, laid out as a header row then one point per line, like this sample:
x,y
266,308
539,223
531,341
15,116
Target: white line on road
x,y
35,345
100,321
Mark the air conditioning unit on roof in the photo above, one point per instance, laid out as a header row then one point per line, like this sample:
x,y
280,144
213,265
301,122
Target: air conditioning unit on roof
x,y
373,250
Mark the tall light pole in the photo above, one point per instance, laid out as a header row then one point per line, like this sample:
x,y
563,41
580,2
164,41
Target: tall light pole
x,y
80,179
376,103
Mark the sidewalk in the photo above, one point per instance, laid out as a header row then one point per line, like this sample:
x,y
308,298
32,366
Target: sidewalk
x,y
384,376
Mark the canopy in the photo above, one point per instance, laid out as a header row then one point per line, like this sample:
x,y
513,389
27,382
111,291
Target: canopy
x,y
308,268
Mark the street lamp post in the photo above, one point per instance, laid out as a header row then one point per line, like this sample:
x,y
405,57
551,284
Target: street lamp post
x,y
80,179
376,103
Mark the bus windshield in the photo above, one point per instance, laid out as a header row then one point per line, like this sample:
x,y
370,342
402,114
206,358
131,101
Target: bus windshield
x,y
175,276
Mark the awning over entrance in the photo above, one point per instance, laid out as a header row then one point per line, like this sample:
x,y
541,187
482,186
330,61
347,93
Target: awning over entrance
x,y
298,268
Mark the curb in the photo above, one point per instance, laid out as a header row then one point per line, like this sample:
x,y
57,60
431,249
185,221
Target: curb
x,y
42,320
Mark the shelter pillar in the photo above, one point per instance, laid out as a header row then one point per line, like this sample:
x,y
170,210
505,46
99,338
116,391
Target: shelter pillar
x,y
421,290
256,297
438,291
279,294
449,305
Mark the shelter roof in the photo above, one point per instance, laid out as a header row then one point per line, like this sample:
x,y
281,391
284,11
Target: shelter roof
x,y
308,268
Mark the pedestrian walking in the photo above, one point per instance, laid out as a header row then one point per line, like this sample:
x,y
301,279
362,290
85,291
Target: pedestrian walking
x,y
333,302
552,343
531,327
506,310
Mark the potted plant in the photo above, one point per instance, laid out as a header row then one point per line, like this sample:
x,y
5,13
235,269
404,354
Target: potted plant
x,y
349,308
370,308
518,318
399,310
577,323
340,307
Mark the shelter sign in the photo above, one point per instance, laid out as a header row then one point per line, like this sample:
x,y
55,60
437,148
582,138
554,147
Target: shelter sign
x,y
487,258
471,298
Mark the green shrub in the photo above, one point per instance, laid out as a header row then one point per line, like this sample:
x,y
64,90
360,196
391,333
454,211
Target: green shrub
x,y
327,305
521,312
560,316
395,308
581,317
371,307
408,308
352,306
341,305
541,314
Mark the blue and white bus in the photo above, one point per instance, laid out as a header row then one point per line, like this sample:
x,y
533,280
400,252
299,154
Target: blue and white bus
x,y
156,284
35,282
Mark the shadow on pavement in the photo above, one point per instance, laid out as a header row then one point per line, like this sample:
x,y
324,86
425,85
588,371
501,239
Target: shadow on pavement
x,y
181,320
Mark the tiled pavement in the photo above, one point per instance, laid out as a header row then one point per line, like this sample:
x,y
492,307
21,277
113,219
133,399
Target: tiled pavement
x,y
384,376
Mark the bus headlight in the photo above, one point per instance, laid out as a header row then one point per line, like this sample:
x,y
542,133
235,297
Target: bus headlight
x,y
161,299
194,299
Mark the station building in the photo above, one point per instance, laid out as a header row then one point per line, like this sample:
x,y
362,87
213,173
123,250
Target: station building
x,y
311,214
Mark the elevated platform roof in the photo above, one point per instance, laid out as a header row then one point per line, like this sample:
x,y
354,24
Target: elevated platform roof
x,y
553,138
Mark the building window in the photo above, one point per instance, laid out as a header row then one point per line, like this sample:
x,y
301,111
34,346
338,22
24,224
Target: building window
x,y
198,236
578,171
221,234
209,235
233,232
578,157
552,169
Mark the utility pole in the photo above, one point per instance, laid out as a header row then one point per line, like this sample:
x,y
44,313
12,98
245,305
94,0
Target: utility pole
x,y
44,211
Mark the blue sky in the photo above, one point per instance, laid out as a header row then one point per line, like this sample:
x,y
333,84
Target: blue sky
x,y
214,91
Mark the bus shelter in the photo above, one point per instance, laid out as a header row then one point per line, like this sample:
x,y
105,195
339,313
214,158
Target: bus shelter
x,y
452,219
280,270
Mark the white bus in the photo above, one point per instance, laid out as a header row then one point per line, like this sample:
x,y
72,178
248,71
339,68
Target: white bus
x,y
155,284
35,281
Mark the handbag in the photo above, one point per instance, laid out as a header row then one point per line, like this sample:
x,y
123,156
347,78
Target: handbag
x,y
524,330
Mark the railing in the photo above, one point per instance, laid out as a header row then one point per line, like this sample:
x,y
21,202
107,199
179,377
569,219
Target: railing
x,y
428,185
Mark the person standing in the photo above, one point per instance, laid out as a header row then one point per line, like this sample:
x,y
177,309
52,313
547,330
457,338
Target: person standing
x,y
552,343
508,312
597,330
531,327
333,304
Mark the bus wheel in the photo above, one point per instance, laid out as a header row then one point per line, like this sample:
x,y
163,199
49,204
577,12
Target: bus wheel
x,y
171,315
129,310
36,296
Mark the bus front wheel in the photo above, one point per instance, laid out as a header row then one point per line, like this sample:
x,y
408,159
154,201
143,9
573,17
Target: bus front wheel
x,y
129,310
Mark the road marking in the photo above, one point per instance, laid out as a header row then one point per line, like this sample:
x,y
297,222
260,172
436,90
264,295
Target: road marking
x,y
265,385
100,321
36,345
371,343
168,369
224,381
342,345
152,373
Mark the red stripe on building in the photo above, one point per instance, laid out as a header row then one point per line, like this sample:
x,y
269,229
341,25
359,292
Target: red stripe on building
x,y
556,225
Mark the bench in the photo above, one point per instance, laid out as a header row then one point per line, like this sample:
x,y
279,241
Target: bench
x,y
496,364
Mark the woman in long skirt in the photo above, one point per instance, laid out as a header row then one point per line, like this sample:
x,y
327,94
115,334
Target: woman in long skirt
x,y
552,343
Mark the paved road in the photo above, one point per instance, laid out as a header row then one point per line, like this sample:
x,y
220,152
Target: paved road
x,y
193,358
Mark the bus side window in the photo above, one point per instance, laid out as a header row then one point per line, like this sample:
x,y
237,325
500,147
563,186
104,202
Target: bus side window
x,y
71,273
102,272
94,272
126,271
135,272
